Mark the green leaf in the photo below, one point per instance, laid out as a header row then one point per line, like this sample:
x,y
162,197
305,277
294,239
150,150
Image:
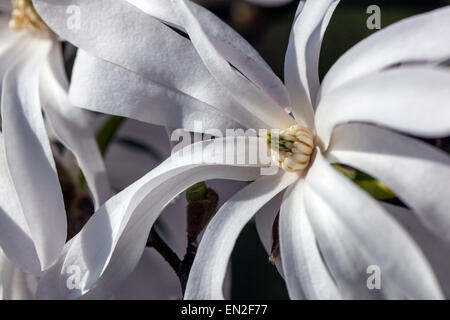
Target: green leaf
x,y
107,133
374,187
104,138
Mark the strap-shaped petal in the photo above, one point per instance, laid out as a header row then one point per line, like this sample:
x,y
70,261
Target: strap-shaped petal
x,y
71,126
15,236
29,157
302,57
305,272
208,271
421,38
410,99
234,48
14,283
110,245
5,5
250,97
434,248
139,53
382,241
417,173
123,93
264,221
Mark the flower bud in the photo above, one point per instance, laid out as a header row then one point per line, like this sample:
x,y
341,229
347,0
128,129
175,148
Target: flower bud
x,y
201,210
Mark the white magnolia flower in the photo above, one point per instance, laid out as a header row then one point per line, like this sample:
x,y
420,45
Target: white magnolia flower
x,y
330,230
33,227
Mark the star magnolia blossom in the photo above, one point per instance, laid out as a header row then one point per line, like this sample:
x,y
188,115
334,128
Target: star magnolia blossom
x,y
330,230
33,226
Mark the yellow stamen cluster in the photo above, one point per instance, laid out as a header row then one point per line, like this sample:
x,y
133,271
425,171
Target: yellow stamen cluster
x,y
291,148
24,17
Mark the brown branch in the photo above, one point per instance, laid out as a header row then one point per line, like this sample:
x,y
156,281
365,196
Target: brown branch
x,y
199,212
155,241
187,262
181,267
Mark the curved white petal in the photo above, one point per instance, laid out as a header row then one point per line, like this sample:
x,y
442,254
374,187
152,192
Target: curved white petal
x,y
417,173
421,38
305,272
302,57
264,221
346,260
251,98
411,99
12,46
28,155
5,5
152,279
123,93
434,249
15,236
14,283
381,239
142,38
71,126
110,245
228,42
208,271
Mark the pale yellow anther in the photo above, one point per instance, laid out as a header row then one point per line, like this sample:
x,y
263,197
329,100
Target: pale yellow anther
x,y
24,17
291,148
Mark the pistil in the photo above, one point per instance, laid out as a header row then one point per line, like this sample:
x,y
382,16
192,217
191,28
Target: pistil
x,y
25,17
291,148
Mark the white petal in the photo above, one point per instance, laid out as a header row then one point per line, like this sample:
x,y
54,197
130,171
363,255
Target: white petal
x,y
110,245
417,173
29,158
15,237
152,279
412,100
142,38
302,57
421,38
381,239
344,257
251,98
12,47
71,126
305,272
123,93
14,283
264,220
5,5
208,271
234,48
434,249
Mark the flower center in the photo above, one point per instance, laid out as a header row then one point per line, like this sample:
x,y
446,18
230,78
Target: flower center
x,y
25,17
291,148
